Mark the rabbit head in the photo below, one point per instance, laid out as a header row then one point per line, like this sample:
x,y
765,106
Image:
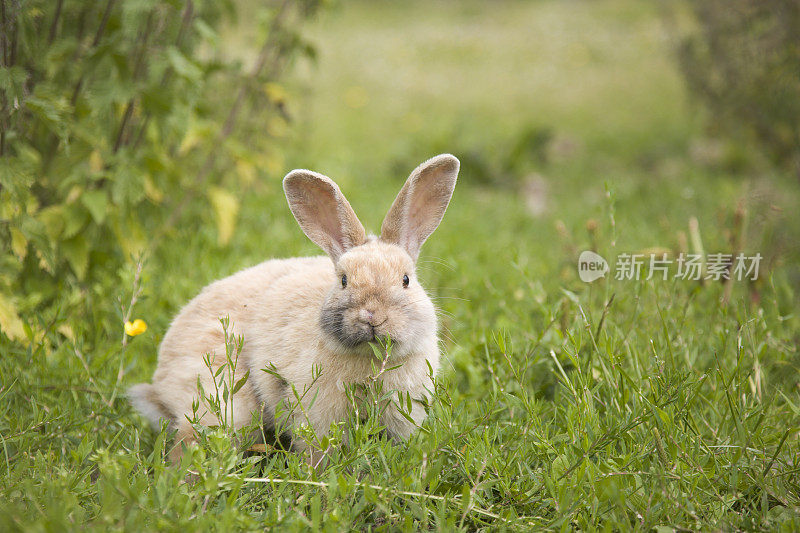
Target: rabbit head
x,y
375,292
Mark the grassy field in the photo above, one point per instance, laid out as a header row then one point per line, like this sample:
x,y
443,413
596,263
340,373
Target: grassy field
x,y
615,405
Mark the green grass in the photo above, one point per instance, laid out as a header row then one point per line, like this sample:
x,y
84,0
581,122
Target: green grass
x,y
615,405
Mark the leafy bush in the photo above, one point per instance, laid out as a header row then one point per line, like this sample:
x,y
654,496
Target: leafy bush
x,y
743,62
113,115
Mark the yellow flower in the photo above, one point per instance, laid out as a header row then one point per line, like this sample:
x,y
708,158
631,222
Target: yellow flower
x,y
137,327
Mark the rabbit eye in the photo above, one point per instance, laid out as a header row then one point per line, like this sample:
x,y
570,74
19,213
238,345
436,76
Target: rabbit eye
x,y
344,280
405,280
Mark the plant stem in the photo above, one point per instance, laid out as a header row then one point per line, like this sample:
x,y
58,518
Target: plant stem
x,y
186,19
137,70
3,34
136,292
54,24
476,510
97,36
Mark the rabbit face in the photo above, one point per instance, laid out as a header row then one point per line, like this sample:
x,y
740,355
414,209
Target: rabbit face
x,y
376,295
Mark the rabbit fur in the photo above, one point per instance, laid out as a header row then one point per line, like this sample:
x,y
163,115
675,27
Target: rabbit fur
x,y
296,313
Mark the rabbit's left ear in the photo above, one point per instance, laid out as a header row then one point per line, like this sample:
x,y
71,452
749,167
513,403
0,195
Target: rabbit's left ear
x,y
421,203
322,211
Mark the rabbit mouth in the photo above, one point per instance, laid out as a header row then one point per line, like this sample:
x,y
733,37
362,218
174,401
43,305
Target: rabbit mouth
x,y
358,336
350,335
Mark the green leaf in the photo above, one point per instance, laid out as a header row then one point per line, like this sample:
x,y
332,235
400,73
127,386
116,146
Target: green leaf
x,y
182,65
239,384
406,416
465,497
376,350
34,229
155,100
10,323
76,251
206,32
37,234
97,204
50,108
12,80
75,218
19,244
128,188
15,176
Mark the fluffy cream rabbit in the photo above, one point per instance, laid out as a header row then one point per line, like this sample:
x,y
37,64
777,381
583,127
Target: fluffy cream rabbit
x,y
298,313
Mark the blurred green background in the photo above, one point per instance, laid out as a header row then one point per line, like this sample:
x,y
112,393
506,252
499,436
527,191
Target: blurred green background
x,y
143,147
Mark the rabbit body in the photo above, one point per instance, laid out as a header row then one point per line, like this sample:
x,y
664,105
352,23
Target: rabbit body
x,y
301,314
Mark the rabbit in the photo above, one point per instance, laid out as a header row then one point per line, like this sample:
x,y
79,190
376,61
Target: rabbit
x,y
298,314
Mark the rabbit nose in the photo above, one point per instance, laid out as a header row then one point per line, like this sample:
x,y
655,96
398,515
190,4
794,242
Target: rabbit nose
x,y
365,315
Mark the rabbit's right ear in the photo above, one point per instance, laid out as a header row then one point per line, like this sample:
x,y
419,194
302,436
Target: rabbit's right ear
x,y
421,203
323,212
